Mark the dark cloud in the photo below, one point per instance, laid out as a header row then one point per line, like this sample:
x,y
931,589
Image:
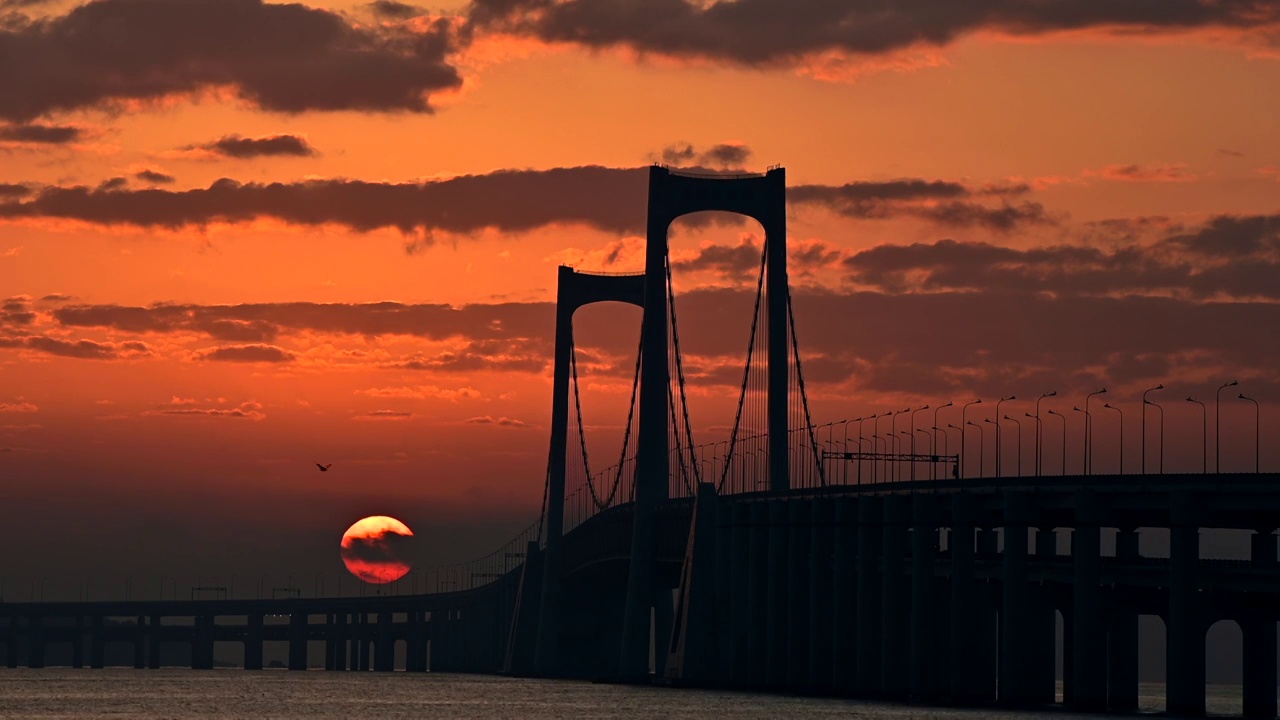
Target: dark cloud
x,y
767,32
940,201
56,297
154,176
40,134
247,354
250,410
235,146
86,349
394,10
13,191
113,184
386,546
722,155
385,415
280,57
498,421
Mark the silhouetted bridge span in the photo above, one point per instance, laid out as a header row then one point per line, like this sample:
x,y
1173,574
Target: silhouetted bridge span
x,y
770,566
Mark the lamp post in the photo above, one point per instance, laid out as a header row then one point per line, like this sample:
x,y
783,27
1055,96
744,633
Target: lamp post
x,y
1145,403
1118,411
1257,432
1204,436
1084,459
999,445
933,471
1217,425
894,434
952,426
1040,430
875,449
1088,432
844,447
889,415
913,437
932,451
964,444
1019,425
1063,471
982,441
861,437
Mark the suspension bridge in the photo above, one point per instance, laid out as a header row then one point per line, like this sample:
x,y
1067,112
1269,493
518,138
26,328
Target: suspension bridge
x,y
774,566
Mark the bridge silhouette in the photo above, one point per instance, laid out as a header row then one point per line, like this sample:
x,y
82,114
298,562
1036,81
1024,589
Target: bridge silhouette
x,y
774,560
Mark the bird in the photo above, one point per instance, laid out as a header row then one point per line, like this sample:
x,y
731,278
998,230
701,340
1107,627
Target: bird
x,y
324,468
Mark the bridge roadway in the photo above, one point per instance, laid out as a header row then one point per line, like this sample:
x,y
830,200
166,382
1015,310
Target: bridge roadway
x,y
929,591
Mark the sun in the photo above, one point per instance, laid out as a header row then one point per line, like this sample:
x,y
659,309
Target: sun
x,y
373,549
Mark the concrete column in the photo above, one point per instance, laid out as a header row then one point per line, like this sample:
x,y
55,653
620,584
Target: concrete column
x,y
97,643
663,620
924,539
758,590
1045,624
253,643
11,657
1017,632
798,558
964,637
985,655
1122,645
298,641
385,649
870,541
155,634
1260,640
844,613
739,598
140,642
202,643
1089,647
77,643
35,642
722,598
895,638
821,540
1185,626
776,622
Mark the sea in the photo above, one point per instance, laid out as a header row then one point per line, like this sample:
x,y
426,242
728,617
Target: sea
x,y
174,694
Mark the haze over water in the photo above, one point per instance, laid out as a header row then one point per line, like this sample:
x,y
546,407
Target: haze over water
x,y
179,693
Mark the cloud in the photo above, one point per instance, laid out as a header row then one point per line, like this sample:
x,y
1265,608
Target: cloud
x,y
249,410
422,392
86,349
764,33
1144,173
499,421
722,155
394,10
154,176
18,406
387,546
24,427
12,191
57,297
236,146
255,353
384,415
278,57
39,134
948,203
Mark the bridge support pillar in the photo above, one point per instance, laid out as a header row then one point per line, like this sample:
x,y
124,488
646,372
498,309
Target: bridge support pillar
x,y
1089,638
415,656
155,635
758,590
385,649
721,669
739,598
895,613
663,623
870,541
11,647
1017,634
523,638
1260,640
821,541
964,637
35,642
140,642
778,600
253,643
97,643
1122,646
298,641
690,645
1045,624
202,643
844,612
985,654
1185,629
798,557
77,643
924,542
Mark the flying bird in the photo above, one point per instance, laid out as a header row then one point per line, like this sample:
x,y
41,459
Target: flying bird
x,y
324,468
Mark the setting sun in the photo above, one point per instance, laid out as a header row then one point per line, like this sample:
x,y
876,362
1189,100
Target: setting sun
x,y
372,549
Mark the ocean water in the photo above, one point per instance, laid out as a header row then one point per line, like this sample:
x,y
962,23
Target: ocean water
x,y
180,694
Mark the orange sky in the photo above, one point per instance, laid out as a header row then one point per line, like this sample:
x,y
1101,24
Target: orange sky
x,y
1108,187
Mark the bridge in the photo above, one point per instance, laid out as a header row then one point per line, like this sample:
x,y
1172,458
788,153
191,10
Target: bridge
x,y
774,560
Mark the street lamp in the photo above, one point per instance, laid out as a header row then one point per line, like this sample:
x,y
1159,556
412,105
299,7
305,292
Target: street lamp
x,y
861,437
1040,430
932,451
1145,403
894,434
1019,424
844,446
875,449
1217,425
912,463
1109,405
1204,436
1084,459
1063,471
964,444
953,426
1088,432
998,433
981,447
1257,431
934,470
913,437
997,443
889,415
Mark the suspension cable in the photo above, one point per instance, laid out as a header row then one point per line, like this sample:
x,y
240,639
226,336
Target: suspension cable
x,y
631,410
582,433
684,398
746,372
804,396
